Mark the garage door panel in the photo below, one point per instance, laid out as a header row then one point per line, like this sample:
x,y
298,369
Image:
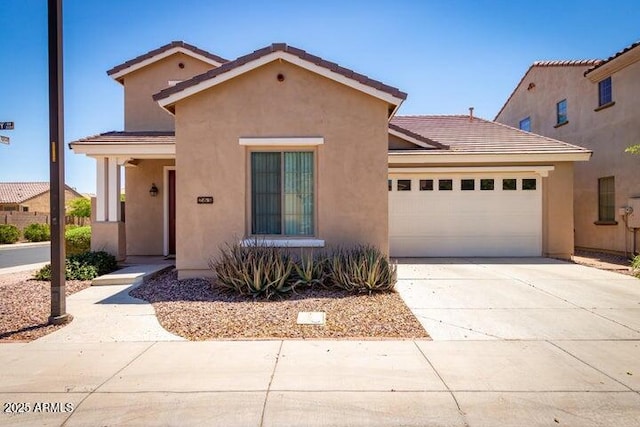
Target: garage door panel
x,y
465,223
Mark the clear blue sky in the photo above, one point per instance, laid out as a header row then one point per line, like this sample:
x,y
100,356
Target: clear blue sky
x,y
447,54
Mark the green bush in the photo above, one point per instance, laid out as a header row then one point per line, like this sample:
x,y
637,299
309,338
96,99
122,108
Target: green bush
x,y
9,233
77,240
361,269
84,266
635,266
70,227
259,271
37,232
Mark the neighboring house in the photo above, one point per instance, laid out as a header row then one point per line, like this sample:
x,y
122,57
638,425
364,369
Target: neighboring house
x,y
29,196
594,104
283,146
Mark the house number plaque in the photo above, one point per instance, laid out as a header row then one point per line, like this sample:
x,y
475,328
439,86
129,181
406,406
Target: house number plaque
x,y
205,200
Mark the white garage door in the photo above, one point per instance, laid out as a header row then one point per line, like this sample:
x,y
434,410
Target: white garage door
x,y
436,215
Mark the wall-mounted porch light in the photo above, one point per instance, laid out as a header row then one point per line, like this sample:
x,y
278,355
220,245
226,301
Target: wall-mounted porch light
x,y
153,190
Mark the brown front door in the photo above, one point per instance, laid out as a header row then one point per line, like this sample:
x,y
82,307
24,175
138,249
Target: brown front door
x,y
172,212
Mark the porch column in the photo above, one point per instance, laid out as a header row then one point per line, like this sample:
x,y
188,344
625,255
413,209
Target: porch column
x,y
108,231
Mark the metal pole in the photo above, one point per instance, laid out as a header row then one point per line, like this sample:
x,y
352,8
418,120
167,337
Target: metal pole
x,y
56,165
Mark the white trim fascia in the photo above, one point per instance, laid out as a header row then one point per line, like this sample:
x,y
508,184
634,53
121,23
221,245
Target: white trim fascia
x,y
163,55
281,141
221,78
542,170
165,208
125,150
414,158
282,243
410,139
615,65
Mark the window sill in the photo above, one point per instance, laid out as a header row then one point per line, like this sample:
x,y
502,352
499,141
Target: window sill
x,y
606,222
282,243
561,124
607,105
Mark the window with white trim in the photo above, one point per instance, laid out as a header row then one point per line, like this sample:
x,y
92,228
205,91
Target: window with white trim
x,y
282,193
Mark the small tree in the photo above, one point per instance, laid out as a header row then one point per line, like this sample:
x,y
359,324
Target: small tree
x,y
80,208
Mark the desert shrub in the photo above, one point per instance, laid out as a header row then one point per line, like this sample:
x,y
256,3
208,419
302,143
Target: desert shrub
x,y
361,269
85,266
77,240
70,227
259,271
635,266
37,232
9,233
309,270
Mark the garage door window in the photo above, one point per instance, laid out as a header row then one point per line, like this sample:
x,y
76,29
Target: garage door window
x,y
468,184
486,184
404,185
445,184
390,183
426,185
509,184
528,184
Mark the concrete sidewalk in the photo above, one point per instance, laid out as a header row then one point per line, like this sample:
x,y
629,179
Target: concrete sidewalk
x,y
580,376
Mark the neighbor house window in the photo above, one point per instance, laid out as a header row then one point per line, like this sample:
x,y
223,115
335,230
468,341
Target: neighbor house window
x,y
606,199
525,124
604,92
561,112
282,193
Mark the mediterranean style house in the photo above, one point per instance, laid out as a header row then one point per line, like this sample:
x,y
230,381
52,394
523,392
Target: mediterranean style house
x,y
286,148
30,196
595,104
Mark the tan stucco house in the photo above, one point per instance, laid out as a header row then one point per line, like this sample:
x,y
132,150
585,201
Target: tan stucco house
x,y
594,104
30,196
283,146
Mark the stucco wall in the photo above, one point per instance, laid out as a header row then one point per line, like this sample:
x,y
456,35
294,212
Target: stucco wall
x,y
41,203
351,174
145,214
607,132
141,112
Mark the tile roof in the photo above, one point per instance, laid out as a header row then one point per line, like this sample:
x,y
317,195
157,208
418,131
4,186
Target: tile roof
x,y
279,47
555,63
120,137
161,49
19,192
481,136
414,135
612,57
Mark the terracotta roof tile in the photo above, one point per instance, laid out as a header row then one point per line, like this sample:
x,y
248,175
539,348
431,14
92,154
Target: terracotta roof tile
x,y
612,57
462,134
19,192
120,137
419,137
162,49
279,47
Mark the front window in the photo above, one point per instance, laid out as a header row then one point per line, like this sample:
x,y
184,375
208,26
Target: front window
x,y
604,92
561,112
282,193
606,199
525,124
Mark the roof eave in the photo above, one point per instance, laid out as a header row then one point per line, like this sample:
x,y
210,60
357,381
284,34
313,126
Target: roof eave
x,y
614,64
446,156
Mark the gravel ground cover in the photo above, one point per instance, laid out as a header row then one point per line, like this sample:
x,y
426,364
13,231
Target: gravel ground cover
x,y
197,311
25,306
604,261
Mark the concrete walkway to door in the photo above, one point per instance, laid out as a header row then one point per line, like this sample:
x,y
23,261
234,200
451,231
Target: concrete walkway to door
x,y
519,299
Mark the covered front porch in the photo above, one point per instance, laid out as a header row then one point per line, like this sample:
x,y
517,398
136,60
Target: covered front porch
x,y
147,225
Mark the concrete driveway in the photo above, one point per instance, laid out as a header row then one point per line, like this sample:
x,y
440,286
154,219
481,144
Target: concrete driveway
x,y
519,299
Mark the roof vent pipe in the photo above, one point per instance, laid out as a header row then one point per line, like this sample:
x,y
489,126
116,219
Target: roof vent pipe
x,y
470,114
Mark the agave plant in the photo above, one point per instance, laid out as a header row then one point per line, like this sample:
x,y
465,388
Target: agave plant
x,y
309,269
635,266
361,269
259,271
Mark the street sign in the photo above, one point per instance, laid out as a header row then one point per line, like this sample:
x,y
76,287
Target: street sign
x,y
4,139
6,125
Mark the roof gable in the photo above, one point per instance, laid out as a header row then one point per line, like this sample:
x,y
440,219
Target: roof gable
x,y
119,71
548,64
279,51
